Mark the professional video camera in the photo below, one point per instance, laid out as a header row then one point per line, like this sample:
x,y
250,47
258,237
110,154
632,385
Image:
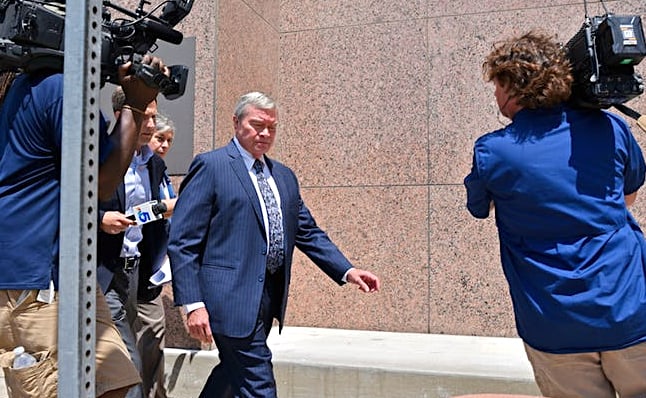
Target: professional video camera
x,y
31,39
603,55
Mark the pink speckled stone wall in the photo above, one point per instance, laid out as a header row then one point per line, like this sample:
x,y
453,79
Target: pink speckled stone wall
x,y
380,103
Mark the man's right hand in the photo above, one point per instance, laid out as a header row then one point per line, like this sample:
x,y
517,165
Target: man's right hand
x,y
197,323
114,222
138,93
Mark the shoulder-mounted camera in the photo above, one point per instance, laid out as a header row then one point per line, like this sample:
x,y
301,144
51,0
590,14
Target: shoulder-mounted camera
x,y
32,32
603,55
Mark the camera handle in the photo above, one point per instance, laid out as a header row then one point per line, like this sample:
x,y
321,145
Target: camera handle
x,y
171,87
151,76
641,119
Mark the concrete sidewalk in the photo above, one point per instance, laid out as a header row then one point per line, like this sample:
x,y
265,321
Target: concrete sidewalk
x,y
334,363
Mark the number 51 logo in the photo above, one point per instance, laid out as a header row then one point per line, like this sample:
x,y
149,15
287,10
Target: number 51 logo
x,y
145,213
143,216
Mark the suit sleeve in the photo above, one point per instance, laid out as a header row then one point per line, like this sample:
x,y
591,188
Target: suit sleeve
x,y
189,230
318,247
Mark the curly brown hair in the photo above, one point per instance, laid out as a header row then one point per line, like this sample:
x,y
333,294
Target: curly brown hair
x,y
6,78
533,67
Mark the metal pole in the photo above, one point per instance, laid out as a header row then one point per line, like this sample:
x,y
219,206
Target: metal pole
x,y
78,222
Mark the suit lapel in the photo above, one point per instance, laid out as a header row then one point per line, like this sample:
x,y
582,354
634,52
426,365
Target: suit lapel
x,y
155,169
238,166
280,183
121,196
155,172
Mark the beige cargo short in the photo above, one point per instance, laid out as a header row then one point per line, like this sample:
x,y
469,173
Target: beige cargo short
x,y
33,324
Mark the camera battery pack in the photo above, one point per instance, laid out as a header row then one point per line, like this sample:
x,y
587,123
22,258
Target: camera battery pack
x,y
620,40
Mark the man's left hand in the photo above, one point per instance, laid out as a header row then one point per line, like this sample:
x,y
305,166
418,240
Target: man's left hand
x,y
366,280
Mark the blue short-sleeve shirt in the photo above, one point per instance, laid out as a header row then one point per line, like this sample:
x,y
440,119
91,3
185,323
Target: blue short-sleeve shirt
x,y
30,170
571,251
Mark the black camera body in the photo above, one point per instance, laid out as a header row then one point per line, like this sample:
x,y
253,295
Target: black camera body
x,y
603,55
32,32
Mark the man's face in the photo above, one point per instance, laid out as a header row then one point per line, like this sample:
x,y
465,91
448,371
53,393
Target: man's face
x,y
161,142
501,95
256,130
148,124
507,105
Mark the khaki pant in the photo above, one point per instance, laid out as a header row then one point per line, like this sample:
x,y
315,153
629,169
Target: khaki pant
x,y
151,337
32,324
603,374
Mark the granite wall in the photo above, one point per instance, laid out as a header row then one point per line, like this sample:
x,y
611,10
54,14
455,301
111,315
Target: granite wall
x,y
380,102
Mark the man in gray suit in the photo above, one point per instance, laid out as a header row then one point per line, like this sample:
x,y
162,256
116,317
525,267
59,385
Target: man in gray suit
x,y
236,222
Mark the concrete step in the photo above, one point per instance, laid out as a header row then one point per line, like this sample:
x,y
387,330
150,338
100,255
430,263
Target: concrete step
x,y
335,363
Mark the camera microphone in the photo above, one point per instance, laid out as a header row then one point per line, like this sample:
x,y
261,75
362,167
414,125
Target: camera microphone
x,y
162,32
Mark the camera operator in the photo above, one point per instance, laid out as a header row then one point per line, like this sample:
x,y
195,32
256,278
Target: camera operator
x,y
30,168
560,180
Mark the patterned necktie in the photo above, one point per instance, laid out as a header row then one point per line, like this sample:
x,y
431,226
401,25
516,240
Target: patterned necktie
x,y
276,253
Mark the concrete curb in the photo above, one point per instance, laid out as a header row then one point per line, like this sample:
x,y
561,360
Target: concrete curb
x,y
335,363
326,363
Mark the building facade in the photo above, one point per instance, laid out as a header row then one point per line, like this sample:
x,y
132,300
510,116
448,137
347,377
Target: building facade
x,y
379,105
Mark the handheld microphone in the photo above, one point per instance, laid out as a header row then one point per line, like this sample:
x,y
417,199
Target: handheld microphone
x,y
148,212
